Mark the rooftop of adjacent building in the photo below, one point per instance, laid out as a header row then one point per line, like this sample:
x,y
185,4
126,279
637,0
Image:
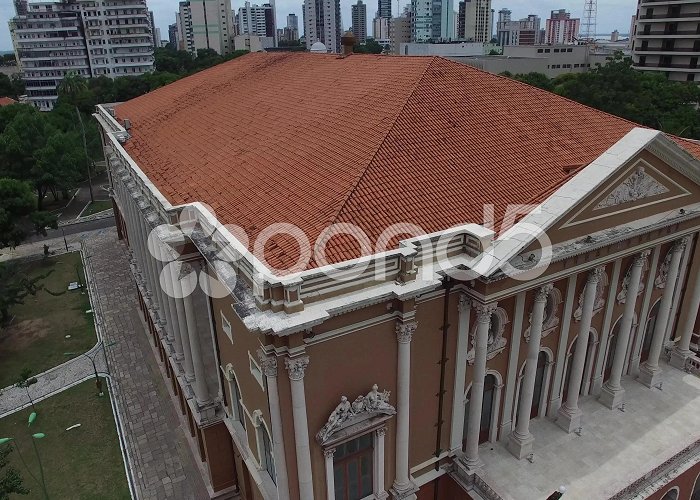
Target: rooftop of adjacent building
x,y
316,139
614,450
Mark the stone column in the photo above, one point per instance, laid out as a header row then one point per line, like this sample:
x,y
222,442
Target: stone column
x,y
403,487
569,414
520,440
483,322
330,477
201,390
649,372
460,372
613,395
166,282
296,368
689,313
269,367
380,492
182,320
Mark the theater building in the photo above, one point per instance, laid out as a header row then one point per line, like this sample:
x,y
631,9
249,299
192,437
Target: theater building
x,y
484,290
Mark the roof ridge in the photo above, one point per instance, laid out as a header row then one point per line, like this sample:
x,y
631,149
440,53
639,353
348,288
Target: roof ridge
x,y
381,143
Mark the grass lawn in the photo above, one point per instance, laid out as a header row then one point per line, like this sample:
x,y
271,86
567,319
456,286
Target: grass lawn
x,y
36,338
97,206
83,463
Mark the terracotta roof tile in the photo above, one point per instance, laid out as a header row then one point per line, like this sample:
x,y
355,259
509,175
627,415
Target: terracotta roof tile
x,y
6,101
313,139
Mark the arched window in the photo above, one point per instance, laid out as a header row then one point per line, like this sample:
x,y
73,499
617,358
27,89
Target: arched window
x,y
267,460
236,406
671,494
695,495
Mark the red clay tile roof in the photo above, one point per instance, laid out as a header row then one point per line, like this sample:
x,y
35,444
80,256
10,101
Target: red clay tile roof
x,y
313,139
6,101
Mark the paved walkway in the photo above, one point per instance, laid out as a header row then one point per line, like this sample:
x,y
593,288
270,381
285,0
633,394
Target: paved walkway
x,y
160,459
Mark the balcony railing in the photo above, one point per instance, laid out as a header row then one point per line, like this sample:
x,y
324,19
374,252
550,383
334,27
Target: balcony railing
x,y
671,16
666,49
667,65
670,33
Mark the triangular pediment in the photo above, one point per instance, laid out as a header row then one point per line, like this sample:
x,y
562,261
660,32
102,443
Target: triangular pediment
x,y
644,178
643,182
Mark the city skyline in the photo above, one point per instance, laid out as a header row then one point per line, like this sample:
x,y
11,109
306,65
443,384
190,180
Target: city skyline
x,y
613,14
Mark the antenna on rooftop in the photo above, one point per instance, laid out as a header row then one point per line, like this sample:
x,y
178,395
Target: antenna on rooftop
x,y
588,24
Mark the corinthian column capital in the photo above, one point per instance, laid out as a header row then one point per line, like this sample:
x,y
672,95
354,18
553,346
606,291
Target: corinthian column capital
x,y
405,331
595,275
296,367
484,312
543,293
268,364
641,258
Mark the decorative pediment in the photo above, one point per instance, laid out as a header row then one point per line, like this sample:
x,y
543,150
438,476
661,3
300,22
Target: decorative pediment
x,y
637,186
363,410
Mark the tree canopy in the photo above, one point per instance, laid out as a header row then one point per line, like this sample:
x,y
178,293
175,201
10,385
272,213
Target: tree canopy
x,y
645,97
10,478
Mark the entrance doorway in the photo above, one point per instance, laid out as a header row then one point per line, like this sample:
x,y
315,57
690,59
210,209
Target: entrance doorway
x,y
487,407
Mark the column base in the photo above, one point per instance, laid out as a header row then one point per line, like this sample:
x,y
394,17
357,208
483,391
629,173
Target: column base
x,y
649,376
611,398
568,419
472,465
403,491
678,358
520,447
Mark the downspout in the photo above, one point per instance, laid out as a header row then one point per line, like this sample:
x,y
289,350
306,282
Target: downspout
x,y
447,283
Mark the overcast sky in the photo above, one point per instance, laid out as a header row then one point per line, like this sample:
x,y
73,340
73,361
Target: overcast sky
x,y
612,14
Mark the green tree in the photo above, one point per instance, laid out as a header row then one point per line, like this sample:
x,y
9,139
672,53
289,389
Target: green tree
x,y
10,478
15,286
71,87
370,47
16,202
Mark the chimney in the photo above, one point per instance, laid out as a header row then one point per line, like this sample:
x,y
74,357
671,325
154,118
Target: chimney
x,y
347,41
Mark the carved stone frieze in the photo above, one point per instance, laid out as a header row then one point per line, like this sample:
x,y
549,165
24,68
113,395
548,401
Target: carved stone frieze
x,y
637,186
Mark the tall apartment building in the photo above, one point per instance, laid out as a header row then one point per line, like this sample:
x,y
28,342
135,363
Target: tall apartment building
x,y
667,39
478,20
380,30
52,39
185,34
203,24
384,8
322,23
400,31
257,20
359,21
432,20
172,35
562,28
523,32
293,22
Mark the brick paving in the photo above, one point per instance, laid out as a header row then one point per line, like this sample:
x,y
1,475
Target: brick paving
x,y
161,461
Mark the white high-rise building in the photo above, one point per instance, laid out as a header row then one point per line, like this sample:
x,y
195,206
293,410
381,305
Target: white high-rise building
x,y
52,39
204,24
257,20
432,20
322,23
478,20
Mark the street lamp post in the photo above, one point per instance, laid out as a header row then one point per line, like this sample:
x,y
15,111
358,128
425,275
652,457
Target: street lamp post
x,y
98,381
37,435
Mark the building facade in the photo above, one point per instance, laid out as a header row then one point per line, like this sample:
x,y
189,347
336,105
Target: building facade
x,y
561,28
293,22
665,39
478,21
384,8
172,36
381,30
523,32
359,21
322,23
203,24
52,39
256,20
448,363
400,32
